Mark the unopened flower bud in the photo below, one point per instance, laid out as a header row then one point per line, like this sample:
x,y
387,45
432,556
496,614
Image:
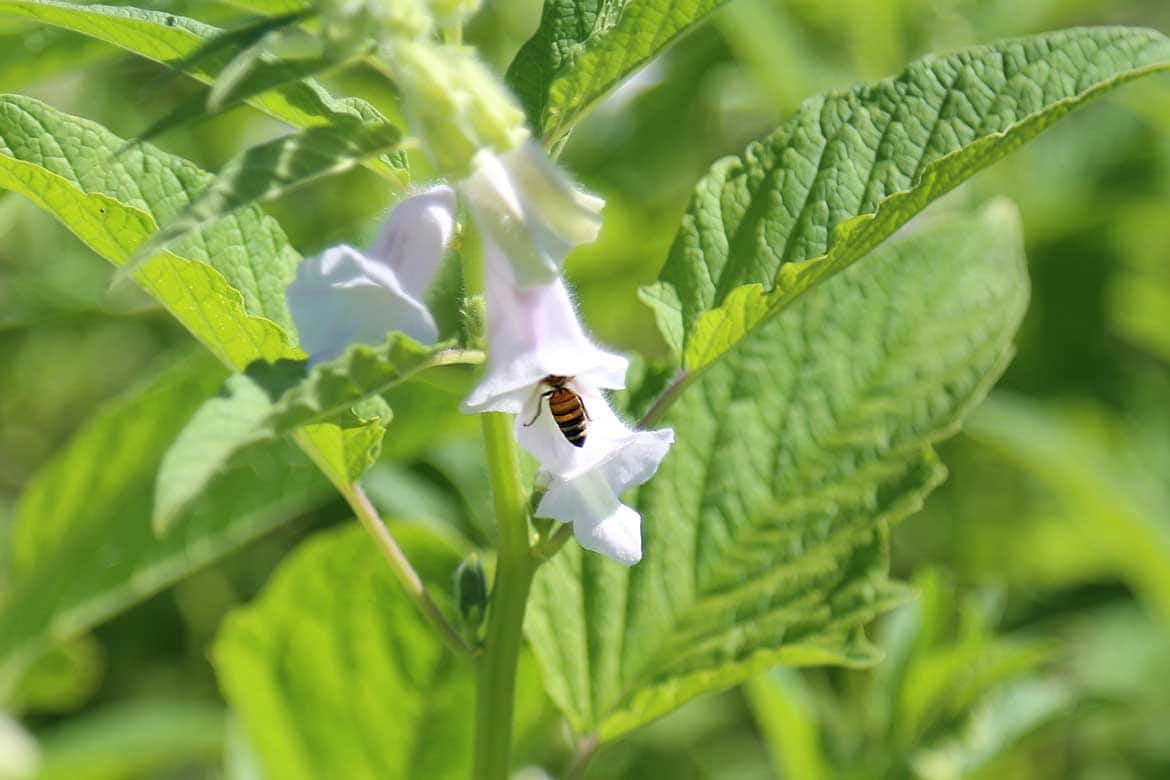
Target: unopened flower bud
x,y
471,593
347,24
455,103
450,12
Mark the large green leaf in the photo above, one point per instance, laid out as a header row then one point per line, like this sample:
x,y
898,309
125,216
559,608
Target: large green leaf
x,y
269,170
843,174
584,48
272,400
83,548
225,283
766,527
168,38
335,674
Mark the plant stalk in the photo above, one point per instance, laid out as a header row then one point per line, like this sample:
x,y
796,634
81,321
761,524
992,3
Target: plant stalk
x,y
496,683
360,503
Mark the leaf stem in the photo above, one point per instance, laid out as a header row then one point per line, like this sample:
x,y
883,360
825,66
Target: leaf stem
x,y
509,597
663,402
364,509
553,543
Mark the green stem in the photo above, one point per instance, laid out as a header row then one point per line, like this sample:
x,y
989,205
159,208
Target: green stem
x,y
360,503
496,685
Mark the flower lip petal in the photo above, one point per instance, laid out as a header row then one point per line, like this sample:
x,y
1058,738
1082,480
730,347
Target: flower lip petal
x,y
533,333
600,521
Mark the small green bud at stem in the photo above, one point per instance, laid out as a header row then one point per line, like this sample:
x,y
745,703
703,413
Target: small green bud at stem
x,y
471,592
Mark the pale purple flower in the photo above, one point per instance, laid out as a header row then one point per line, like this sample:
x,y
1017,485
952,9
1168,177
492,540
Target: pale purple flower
x,y
585,483
344,296
524,204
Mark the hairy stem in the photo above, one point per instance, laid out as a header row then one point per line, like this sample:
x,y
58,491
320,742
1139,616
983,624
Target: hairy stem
x,y
496,684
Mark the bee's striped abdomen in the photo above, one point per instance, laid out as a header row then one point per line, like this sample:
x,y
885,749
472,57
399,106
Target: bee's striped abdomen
x,y
569,412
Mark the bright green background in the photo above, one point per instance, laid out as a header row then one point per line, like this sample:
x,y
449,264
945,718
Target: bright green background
x,y
1042,636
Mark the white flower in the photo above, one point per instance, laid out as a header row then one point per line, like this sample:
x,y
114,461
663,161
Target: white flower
x,y
524,203
533,332
585,483
343,296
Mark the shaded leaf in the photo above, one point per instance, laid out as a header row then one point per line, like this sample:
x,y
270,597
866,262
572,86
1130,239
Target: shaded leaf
x,y
273,399
264,76
134,739
850,168
585,48
766,527
1113,509
83,549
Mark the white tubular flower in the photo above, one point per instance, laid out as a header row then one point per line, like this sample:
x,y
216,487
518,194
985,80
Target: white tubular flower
x,y
526,205
585,483
343,296
533,333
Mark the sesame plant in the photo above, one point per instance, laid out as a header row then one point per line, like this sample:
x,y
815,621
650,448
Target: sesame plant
x,y
658,526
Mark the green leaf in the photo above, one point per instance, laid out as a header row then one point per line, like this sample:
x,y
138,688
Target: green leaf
x,y
133,739
63,679
31,55
1106,484
584,48
265,75
766,527
269,170
274,399
850,168
787,722
83,549
334,673
167,38
225,284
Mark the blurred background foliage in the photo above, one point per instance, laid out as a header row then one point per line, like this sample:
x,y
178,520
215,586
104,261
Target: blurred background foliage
x,y
1039,645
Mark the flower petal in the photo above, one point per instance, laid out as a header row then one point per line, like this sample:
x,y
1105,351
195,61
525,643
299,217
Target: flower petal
x,y
342,297
527,206
600,521
534,332
605,434
415,237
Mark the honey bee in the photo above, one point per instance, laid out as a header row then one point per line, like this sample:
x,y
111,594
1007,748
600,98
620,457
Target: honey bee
x,y
566,407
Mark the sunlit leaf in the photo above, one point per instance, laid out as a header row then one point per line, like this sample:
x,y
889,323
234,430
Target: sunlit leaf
x,y
850,168
334,673
167,38
271,169
766,527
225,284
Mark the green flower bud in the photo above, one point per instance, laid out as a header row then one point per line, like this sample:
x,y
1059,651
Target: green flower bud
x,y
455,104
347,24
449,12
471,593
